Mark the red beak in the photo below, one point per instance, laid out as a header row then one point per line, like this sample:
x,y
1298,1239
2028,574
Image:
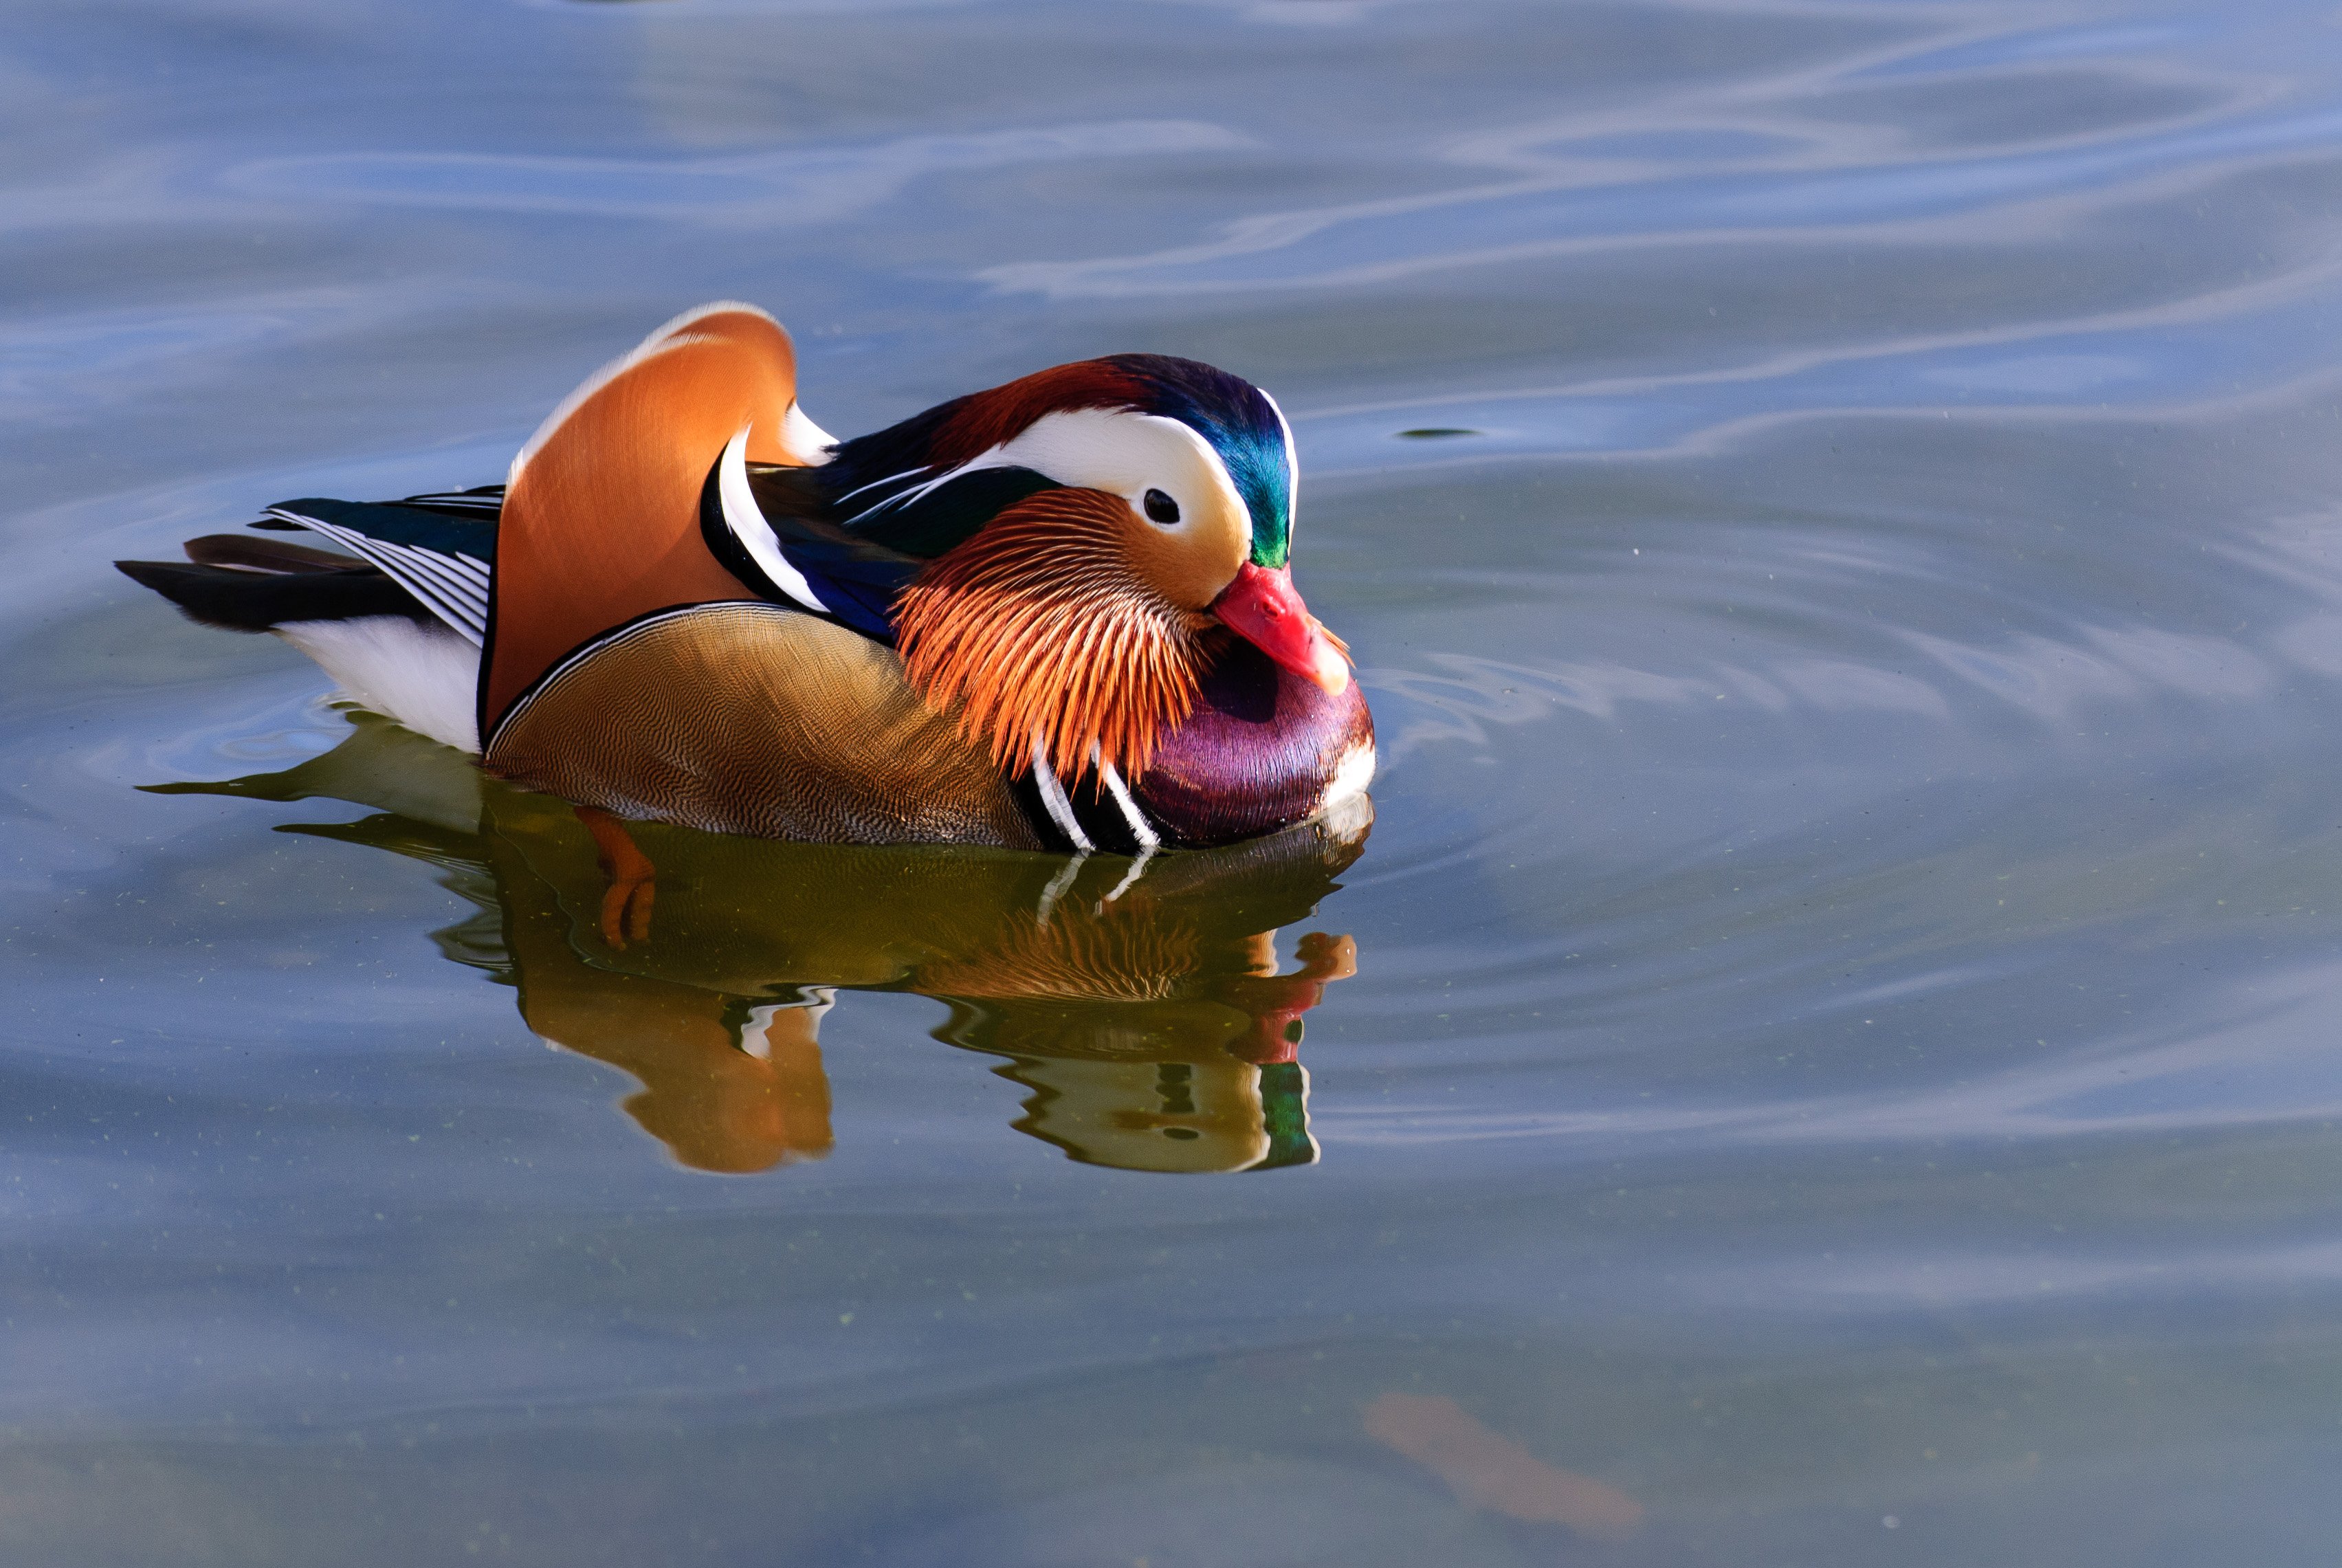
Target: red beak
x,y
1261,607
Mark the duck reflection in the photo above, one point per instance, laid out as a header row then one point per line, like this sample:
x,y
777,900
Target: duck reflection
x,y
1138,1002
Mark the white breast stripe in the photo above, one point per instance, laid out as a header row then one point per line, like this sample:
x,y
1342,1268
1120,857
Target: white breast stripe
x,y
452,587
746,520
1053,797
1140,827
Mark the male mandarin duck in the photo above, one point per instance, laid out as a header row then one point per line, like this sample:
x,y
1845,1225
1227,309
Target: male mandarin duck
x,y
1057,615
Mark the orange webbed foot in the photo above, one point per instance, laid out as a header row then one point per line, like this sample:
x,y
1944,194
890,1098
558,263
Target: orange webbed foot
x,y
626,903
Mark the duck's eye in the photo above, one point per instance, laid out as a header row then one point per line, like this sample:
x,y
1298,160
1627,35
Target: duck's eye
x,y
1161,508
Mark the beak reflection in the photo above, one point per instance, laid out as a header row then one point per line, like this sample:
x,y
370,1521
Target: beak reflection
x,y
1139,1004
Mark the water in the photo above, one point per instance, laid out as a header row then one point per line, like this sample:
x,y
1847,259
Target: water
x,y
1834,505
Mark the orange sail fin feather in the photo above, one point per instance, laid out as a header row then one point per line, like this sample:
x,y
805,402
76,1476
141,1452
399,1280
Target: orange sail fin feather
x,y
601,520
1037,625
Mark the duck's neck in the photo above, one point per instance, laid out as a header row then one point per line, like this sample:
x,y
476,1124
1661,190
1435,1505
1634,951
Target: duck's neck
x,y
1260,750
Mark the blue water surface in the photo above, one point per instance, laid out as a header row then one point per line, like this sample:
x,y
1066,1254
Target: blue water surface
x,y
1835,1061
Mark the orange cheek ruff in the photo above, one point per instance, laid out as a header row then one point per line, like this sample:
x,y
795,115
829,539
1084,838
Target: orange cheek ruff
x,y
1039,623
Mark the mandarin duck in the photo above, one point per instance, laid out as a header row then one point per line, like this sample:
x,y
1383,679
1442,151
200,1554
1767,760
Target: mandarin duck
x,y
1056,614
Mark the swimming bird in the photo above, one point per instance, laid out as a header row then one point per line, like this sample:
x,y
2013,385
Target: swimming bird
x,y
1055,614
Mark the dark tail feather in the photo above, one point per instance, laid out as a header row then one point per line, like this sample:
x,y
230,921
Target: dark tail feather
x,y
267,554
255,598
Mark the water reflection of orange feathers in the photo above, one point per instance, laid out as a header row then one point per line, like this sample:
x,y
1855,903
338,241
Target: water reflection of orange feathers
x,y
1138,1003
1486,1469
1098,954
716,1107
716,1103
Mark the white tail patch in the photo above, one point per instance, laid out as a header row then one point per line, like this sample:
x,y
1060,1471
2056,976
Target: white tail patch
x,y
424,676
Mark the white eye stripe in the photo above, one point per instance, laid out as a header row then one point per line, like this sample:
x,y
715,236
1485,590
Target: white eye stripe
x,y
1125,453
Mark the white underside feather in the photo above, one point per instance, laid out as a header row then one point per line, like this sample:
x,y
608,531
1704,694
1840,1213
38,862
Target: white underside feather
x,y
424,676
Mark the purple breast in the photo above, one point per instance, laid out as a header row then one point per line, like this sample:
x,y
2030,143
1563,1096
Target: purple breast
x,y
1257,754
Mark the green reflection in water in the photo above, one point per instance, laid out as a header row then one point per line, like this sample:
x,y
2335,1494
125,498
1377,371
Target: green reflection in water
x,y
1139,1002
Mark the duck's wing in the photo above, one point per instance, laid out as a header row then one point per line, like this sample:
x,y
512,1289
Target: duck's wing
x,y
771,528
601,518
441,556
784,531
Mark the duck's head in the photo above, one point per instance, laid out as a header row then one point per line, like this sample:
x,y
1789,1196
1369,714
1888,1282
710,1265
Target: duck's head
x,y
1091,528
